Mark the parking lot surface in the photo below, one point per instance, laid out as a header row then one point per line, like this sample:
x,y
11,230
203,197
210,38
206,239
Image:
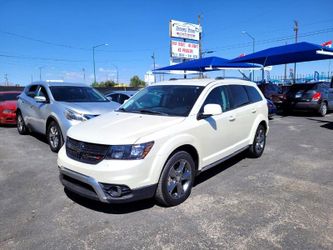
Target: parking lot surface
x,y
282,200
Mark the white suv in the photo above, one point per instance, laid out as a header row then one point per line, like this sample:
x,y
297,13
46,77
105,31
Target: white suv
x,y
157,142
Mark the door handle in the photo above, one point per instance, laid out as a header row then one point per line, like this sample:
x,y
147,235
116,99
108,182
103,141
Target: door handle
x,y
253,111
232,118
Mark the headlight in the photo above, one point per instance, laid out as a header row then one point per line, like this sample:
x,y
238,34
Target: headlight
x,y
129,152
73,115
8,111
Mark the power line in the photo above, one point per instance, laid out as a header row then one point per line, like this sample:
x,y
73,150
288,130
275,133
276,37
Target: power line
x,y
273,40
41,58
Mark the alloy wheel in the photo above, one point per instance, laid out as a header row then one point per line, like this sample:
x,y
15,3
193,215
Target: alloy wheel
x,y
179,179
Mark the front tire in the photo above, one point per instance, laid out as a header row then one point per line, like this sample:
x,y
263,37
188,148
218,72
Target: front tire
x,y
21,127
176,180
323,109
54,137
259,142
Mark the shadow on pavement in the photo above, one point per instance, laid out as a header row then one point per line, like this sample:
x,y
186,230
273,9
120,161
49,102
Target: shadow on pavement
x,y
209,173
7,125
39,137
327,124
111,208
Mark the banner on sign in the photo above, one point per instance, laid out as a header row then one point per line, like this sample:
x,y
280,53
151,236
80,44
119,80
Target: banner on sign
x,y
184,50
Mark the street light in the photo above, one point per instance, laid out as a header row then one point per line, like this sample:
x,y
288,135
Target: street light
x,y
94,47
207,52
253,45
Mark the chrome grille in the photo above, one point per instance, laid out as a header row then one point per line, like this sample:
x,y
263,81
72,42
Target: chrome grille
x,y
85,152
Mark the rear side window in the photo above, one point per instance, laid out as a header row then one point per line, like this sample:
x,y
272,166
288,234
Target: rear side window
x,y
238,96
253,94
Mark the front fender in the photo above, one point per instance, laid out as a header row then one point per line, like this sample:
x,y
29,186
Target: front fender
x,y
166,149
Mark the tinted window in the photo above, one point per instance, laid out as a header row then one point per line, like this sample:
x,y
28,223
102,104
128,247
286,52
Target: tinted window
x,y
253,94
219,96
122,98
114,97
8,96
32,91
76,94
238,96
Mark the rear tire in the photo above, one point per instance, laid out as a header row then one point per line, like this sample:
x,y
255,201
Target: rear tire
x,y
259,142
21,127
176,180
54,137
323,109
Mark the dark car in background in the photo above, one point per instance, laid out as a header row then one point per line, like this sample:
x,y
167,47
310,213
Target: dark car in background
x,y
273,92
316,97
8,100
271,109
120,96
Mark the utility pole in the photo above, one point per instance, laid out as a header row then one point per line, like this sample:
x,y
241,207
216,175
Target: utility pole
x,y
285,70
200,44
40,73
296,36
6,79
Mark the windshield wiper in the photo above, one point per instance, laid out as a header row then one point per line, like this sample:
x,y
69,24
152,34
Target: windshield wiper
x,y
152,112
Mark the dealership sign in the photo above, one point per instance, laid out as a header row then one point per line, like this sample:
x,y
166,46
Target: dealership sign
x,y
184,50
185,30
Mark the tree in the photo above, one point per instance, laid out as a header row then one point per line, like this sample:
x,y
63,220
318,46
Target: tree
x,y
137,82
107,83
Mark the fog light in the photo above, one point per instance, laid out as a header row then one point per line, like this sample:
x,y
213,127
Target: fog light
x,y
115,191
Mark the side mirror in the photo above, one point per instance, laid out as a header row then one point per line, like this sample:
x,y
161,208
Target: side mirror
x,y
125,101
210,110
109,98
40,99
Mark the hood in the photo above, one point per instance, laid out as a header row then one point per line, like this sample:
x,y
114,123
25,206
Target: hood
x,y
8,105
91,108
117,128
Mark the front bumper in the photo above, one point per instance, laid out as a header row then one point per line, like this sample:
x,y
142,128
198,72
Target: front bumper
x,y
108,193
9,118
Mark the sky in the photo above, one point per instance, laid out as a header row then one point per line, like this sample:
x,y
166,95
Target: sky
x,y
55,38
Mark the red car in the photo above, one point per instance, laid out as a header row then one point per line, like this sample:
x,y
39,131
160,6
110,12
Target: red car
x,y
8,107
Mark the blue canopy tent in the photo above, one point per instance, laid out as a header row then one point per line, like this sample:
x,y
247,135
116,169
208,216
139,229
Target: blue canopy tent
x,y
208,64
292,53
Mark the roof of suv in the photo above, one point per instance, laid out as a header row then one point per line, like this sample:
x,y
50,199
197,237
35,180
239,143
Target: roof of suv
x,y
201,82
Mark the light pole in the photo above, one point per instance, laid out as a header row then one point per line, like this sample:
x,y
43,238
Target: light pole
x,y
253,47
206,52
94,47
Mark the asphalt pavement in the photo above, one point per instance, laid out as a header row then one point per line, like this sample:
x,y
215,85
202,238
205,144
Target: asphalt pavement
x,y
282,200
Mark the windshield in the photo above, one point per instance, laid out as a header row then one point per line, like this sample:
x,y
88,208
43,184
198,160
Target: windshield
x,y
8,96
172,100
76,94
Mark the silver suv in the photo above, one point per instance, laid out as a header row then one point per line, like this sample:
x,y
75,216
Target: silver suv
x,y
51,108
